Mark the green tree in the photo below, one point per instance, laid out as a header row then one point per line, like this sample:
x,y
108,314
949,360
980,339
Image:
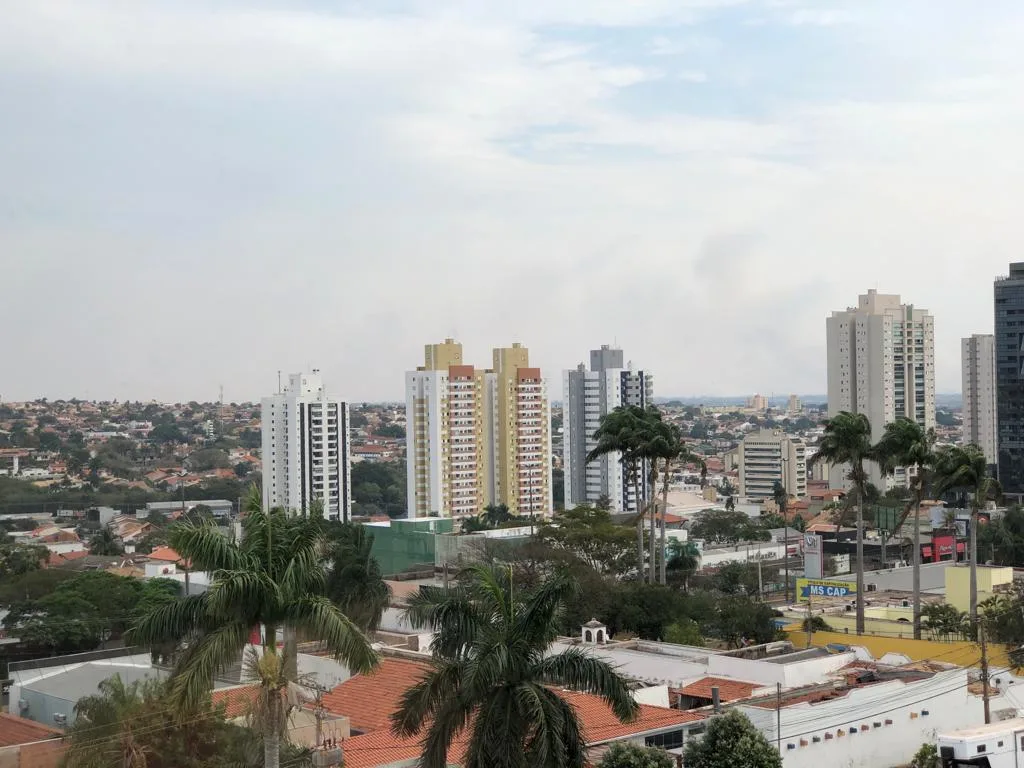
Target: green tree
x,y
19,559
590,534
243,468
683,560
684,632
492,674
731,741
847,440
721,526
104,542
627,755
946,621
274,577
738,618
907,444
354,581
926,757
624,434
668,446
396,431
965,468
133,726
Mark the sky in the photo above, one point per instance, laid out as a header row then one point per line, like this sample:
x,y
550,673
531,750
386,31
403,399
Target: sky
x,y
200,194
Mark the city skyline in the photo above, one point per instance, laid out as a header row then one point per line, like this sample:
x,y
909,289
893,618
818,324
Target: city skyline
x,y
699,182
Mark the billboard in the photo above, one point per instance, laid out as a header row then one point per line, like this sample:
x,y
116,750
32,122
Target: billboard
x,y
813,557
815,588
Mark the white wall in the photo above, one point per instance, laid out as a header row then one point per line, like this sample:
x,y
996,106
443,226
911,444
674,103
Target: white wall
x,y
656,695
792,675
764,550
944,697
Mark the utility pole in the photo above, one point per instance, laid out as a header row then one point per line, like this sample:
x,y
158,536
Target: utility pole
x,y
984,672
778,716
760,579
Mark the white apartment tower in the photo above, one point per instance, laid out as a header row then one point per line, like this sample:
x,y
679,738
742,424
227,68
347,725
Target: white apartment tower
x,y
587,395
881,363
477,436
306,449
978,356
770,456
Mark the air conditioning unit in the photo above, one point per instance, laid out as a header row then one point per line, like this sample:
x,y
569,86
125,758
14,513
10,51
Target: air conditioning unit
x,y
22,705
60,718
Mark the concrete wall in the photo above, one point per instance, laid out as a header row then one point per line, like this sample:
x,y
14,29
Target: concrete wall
x,y
933,577
792,675
40,754
890,719
958,589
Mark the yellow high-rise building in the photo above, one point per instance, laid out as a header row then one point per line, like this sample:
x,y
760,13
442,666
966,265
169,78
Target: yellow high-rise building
x,y
476,437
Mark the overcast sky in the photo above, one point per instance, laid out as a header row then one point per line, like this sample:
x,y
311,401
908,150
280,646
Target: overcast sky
x,y
198,193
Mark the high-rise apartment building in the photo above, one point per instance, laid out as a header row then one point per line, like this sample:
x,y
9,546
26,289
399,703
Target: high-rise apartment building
x,y
587,395
881,363
477,436
978,357
1009,352
306,449
757,403
770,456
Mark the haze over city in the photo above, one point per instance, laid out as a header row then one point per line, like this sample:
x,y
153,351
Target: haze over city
x,y
202,195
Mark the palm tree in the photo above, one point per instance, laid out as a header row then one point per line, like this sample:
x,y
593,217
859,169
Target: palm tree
x,y
625,432
493,677
274,577
966,468
496,514
104,542
669,446
355,582
906,443
847,440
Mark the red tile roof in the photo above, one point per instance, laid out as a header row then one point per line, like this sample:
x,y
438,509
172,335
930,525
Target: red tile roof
x,y
237,701
728,690
369,700
64,557
166,555
16,730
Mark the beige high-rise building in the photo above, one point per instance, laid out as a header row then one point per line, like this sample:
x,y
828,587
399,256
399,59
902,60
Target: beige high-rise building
x,y
978,356
757,403
881,363
769,456
475,436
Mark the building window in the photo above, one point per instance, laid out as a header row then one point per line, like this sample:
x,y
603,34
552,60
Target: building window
x,y
670,740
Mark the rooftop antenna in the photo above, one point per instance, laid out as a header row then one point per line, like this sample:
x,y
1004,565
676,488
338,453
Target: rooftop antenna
x,y
222,394
279,381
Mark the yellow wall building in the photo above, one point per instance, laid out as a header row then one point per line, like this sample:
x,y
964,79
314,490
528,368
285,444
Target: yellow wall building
x,y
991,579
477,436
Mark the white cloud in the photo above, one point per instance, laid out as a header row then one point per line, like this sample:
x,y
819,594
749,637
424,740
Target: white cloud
x,y
210,195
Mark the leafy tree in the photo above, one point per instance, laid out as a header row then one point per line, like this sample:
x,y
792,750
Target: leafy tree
x,y
243,468
354,581
628,755
847,440
624,434
731,741
945,620
926,757
740,618
966,468
32,585
396,431
668,446
645,609
357,420
907,444
491,663
166,433
718,526
134,722
1002,538
19,559
558,488
104,542
273,577
208,458
684,632
683,561
590,534
367,493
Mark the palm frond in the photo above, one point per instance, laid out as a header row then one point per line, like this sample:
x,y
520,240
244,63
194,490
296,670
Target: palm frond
x,y
170,622
206,657
579,671
320,618
438,685
248,591
206,548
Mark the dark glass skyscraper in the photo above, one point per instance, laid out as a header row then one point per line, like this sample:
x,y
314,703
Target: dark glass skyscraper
x,y
1009,332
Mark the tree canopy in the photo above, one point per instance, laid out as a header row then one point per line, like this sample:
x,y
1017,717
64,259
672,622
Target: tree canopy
x,y
731,741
